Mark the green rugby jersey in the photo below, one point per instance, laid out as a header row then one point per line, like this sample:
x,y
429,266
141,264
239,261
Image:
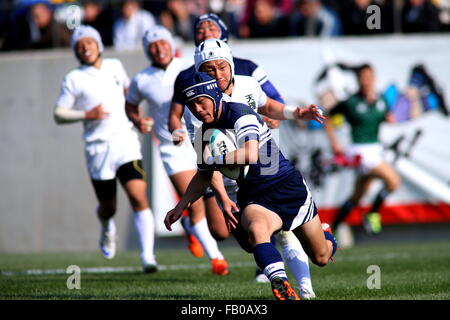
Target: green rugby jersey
x,y
364,118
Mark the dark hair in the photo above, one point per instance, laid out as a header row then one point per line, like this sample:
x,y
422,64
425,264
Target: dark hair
x,y
363,67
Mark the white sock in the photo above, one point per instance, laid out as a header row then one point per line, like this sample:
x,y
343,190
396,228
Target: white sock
x,y
145,228
296,258
201,231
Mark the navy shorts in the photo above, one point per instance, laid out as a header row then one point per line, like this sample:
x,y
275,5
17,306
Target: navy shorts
x,y
290,199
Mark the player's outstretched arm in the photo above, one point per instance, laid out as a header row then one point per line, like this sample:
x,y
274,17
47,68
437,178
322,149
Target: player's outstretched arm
x,y
194,191
276,110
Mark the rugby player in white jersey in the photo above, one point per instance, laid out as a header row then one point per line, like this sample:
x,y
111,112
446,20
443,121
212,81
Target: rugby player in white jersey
x,y
155,85
214,57
94,94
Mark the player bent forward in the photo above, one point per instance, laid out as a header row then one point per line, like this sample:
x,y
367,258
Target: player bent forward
x,y
271,199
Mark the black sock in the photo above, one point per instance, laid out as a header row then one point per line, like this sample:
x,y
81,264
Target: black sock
x,y
343,212
379,199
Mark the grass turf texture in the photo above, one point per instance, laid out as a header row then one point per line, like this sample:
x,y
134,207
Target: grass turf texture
x,y
408,271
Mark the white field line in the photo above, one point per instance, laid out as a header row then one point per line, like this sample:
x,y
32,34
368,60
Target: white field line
x,y
174,267
40,272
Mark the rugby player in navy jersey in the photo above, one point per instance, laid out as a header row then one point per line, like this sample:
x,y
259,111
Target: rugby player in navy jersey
x,y
272,197
206,27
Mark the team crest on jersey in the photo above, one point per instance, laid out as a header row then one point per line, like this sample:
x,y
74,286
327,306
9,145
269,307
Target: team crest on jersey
x,y
251,101
190,93
117,80
381,106
361,108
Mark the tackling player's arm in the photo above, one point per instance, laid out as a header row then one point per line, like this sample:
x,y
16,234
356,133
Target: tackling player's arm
x,y
276,110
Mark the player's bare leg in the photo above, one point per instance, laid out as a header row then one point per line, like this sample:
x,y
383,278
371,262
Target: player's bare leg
x,y
261,223
216,220
372,220
314,242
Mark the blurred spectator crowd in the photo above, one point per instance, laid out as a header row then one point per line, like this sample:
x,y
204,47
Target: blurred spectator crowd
x,y
36,24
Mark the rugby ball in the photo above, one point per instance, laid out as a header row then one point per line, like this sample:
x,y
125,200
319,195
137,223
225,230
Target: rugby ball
x,y
222,142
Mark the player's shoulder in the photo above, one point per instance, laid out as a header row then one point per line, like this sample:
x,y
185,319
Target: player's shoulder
x,y
186,73
74,77
112,63
245,80
244,66
236,110
145,73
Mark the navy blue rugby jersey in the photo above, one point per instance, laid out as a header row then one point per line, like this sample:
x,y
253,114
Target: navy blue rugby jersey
x,y
272,167
241,67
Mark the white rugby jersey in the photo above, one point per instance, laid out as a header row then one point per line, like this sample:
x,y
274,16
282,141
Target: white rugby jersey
x,y
155,85
86,87
246,90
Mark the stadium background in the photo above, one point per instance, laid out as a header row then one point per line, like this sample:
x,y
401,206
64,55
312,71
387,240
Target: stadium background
x,y
46,201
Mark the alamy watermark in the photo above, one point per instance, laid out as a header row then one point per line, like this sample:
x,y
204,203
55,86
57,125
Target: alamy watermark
x,y
74,280
373,22
374,280
268,153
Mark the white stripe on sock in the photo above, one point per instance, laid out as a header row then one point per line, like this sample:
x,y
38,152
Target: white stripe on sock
x,y
275,270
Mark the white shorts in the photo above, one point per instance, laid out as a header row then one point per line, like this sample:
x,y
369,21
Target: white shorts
x,y
178,158
104,158
371,155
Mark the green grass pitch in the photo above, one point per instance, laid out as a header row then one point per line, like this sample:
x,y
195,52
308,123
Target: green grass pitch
x,y
407,271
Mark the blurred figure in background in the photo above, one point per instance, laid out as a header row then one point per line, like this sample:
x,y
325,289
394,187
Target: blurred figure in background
x,y
178,19
6,10
264,14
420,16
311,18
365,111
36,28
99,16
265,22
129,29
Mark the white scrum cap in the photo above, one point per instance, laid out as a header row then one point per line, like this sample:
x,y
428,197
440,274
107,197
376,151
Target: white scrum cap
x,y
156,33
84,31
213,49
